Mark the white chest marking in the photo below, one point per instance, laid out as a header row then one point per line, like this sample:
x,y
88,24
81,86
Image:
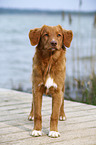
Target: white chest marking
x,y
50,83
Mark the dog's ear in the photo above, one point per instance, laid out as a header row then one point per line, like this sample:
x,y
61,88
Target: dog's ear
x,y
34,36
68,36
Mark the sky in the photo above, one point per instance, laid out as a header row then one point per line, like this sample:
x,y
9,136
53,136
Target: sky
x,y
87,5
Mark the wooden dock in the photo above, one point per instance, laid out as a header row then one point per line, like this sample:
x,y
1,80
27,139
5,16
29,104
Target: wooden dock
x,y
15,129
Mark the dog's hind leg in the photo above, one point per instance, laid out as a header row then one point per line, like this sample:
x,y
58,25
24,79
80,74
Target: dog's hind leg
x,y
62,116
31,116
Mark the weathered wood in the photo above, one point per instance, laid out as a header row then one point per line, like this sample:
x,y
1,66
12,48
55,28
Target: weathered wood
x,y
79,128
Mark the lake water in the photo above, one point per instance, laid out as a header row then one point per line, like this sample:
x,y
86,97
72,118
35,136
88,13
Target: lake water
x,y
16,53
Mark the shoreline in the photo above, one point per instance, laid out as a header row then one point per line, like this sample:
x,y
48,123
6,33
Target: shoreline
x,y
41,11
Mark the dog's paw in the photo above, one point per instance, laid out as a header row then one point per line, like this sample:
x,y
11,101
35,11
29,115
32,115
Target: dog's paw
x,y
36,133
54,134
62,118
30,118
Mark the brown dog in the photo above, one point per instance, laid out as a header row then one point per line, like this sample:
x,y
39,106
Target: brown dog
x,y
49,68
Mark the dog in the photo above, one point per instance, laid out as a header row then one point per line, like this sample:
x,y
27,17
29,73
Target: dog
x,y
49,69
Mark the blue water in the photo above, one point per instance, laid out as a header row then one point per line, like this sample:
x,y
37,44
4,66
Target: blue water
x,y
16,53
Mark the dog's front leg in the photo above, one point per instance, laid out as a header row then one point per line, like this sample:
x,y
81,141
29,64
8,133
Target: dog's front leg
x,y
31,116
37,104
56,103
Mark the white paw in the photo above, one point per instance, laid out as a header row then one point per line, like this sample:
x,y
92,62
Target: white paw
x,y
62,118
54,134
31,118
36,133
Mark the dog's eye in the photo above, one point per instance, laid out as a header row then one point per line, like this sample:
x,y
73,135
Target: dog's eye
x,y
59,35
46,35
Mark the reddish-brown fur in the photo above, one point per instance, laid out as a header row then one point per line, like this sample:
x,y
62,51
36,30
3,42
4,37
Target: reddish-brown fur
x,y
47,61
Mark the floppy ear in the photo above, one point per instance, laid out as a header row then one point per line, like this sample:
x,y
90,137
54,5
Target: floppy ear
x,y
34,36
68,35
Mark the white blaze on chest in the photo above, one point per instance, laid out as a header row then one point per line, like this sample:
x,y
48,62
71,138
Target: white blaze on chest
x,y
50,83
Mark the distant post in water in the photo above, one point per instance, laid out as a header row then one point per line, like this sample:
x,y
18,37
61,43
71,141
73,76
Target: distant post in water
x,y
70,19
95,20
63,15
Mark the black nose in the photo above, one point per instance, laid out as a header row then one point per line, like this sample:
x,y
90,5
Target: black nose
x,y
53,43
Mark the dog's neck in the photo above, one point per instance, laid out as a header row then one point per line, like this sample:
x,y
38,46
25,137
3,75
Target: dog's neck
x,y
46,55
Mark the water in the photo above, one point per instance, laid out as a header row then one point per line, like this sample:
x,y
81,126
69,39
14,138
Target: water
x,y
16,53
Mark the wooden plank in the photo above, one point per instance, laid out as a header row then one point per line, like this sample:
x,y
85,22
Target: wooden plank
x,y
68,127
25,105
15,116
66,136
90,140
27,110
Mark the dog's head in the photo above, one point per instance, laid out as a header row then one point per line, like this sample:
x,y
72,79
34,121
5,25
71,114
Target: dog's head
x,y
51,38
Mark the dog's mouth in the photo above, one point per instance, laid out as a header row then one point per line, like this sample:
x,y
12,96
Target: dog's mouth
x,y
53,48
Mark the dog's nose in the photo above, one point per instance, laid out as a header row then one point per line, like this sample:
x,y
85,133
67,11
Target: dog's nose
x,y
53,43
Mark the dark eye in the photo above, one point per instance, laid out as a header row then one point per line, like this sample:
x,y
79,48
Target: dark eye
x,y
46,35
59,35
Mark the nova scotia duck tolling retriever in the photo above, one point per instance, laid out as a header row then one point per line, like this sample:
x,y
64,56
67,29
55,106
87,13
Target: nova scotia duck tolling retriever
x,y
48,76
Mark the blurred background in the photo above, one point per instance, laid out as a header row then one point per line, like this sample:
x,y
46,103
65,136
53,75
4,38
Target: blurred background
x,y
19,16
